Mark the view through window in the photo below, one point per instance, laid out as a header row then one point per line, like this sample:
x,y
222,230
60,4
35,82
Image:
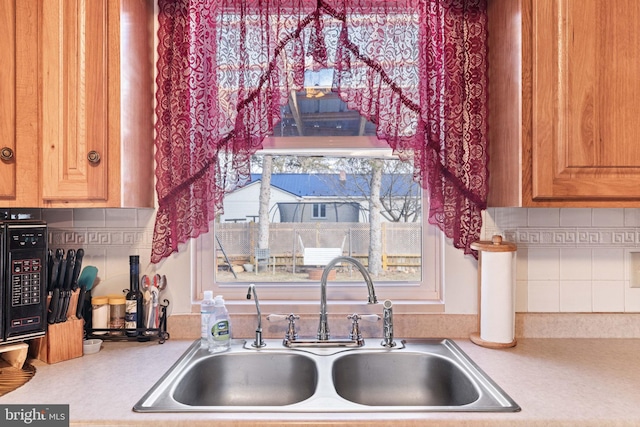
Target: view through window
x,y
324,186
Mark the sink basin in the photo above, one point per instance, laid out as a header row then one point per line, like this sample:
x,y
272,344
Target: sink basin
x,y
415,376
248,379
402,379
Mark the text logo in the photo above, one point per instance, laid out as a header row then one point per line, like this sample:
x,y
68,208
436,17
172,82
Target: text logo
x,y
34,415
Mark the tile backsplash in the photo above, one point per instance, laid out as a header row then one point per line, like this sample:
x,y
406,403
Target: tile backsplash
x,y
568,260
571,260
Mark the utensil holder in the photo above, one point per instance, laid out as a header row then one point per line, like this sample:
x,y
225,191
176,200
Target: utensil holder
x,y
144,334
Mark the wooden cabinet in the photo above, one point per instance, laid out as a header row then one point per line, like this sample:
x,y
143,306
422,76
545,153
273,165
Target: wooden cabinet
x,y
7,101
564,113
82,109
19,160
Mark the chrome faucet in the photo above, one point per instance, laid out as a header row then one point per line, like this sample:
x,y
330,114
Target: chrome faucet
x,y
258,342
323,328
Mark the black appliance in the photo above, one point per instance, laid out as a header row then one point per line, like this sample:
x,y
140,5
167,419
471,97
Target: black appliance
x,y
23,279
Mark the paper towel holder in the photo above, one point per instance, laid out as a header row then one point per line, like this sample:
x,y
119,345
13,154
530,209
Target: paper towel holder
x,y
495,246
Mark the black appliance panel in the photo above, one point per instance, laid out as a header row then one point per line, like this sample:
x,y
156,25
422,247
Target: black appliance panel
x,y
24,254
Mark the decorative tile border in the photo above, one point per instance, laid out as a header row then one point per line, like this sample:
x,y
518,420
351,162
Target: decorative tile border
x,y
525,237
139,237
571,237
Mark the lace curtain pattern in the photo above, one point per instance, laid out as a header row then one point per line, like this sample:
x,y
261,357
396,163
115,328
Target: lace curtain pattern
x,y
415,68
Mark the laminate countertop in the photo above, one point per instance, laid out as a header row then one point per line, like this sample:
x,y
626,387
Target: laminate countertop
x,y
557,382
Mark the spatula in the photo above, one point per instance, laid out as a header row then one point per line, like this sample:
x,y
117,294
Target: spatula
x,y
85,282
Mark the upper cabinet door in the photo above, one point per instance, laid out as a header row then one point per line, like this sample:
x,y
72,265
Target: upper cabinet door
x,y
585,100
19,131
8,101
75,99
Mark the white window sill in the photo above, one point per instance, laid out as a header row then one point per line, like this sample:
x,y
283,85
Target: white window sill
x,y
333,307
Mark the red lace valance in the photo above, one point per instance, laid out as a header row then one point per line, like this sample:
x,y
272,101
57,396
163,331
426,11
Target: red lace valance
x,y
416,68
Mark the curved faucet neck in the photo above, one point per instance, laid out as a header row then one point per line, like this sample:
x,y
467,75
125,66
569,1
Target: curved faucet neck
x,y
323,328
252,290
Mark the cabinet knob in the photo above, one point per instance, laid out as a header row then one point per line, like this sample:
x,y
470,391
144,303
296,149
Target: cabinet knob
x,y
6,154
93,157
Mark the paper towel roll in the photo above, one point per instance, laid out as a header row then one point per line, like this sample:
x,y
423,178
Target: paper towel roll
x,y
496,306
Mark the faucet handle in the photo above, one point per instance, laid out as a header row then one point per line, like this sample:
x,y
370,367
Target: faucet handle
x,y
370,317
280,317
355,326
291,331
276,317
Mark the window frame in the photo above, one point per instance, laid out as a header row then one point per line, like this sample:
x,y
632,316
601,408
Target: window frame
x,y
426,296
321,210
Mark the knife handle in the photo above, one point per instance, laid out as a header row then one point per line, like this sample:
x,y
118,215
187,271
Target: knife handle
x,y
76,269
62,317
58,317
71,261
61,273
53,278
53,306
81,296
49,267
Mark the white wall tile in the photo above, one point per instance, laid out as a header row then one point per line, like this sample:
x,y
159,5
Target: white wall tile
x,y
145,217
489,226
631,267
522,264
510,217
544,296
121,218
555,270
631,298
543,264
89,218
62,218
607,217
544,217
631,217
575,217
575,296
460,275
608,264
522,300
608,296
575,264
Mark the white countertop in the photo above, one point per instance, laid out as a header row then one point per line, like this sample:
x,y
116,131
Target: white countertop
x,y
559,382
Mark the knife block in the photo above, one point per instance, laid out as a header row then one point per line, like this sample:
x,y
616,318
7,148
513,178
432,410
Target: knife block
x,y
63,341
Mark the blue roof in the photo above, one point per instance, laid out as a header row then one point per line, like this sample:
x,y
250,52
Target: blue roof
x,y
327,185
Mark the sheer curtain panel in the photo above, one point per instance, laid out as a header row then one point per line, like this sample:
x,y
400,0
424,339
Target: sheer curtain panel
x,y
415,68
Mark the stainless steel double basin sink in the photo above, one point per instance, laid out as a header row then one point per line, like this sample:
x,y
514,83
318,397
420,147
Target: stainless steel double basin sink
x,y
414,376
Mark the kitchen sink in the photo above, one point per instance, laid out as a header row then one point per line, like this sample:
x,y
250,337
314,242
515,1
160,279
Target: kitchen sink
x,y
248,379
402,379
414,376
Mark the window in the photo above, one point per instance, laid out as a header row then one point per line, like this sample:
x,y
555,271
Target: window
x,y
319,205
319,211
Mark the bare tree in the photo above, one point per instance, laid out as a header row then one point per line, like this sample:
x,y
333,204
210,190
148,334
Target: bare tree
x,y
399,195
265,195
375,224
389,190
